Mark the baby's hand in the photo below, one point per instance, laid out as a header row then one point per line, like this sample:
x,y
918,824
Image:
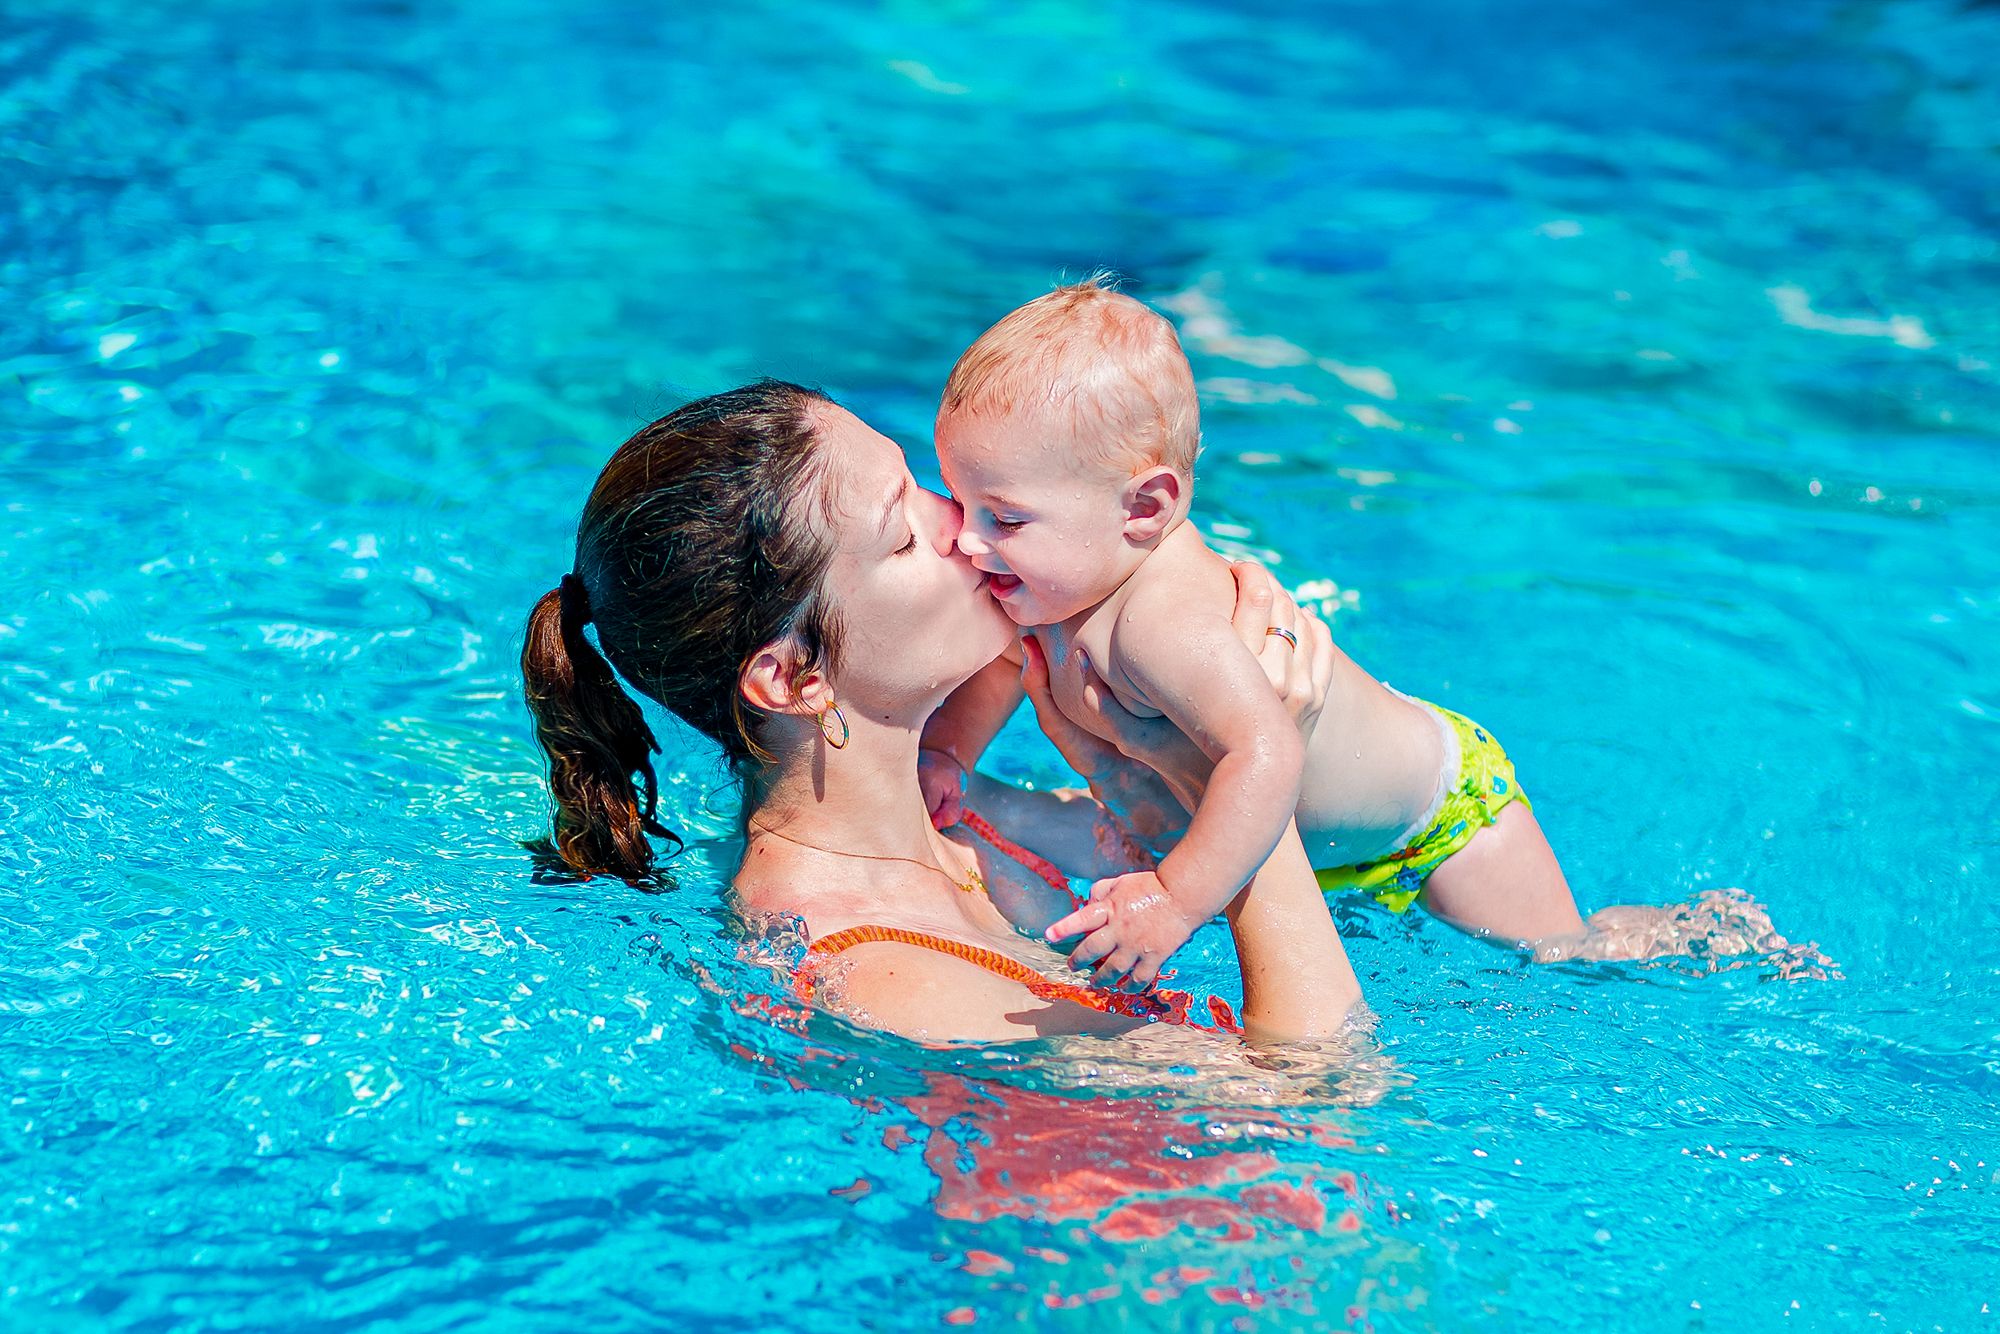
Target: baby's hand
x,y
942,780
1130,927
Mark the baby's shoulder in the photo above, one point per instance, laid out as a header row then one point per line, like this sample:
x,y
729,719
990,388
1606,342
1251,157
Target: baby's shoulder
x,y
1173,608
1181,579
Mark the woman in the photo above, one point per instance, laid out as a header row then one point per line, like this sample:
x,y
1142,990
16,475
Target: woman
x,y
762,563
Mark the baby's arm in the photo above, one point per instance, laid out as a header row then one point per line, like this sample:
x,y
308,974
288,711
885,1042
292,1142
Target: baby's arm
x,y
959,732
1199,674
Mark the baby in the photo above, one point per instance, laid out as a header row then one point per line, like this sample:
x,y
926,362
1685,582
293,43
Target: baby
x,y
1068,434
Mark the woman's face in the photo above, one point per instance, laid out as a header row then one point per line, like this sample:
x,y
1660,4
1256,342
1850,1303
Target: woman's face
x,y
915,619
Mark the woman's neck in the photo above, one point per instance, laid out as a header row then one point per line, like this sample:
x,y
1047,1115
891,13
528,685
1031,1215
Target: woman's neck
x,y
862,799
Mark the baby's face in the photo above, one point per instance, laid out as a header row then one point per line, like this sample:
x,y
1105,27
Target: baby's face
x,y
1042,517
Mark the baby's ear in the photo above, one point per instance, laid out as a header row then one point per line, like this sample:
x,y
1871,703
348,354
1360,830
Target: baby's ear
x,y
1152,502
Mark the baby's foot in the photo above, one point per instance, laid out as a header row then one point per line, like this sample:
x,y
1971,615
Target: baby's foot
x,y
1719,928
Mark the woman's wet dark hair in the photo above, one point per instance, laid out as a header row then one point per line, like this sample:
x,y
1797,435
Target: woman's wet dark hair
x,y
694,552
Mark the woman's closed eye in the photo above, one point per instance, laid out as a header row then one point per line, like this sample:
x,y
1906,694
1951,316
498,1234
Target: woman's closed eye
x,y
908,546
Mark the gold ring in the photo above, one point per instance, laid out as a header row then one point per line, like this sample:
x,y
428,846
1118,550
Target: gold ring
x,y
1283,634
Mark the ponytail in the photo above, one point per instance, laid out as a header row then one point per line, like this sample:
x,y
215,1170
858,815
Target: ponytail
x,y
596,739
698,546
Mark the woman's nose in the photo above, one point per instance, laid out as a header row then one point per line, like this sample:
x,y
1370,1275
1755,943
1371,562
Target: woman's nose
x,y
950,523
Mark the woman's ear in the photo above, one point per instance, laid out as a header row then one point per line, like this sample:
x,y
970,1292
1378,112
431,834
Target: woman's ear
x,y
1152,501
771,682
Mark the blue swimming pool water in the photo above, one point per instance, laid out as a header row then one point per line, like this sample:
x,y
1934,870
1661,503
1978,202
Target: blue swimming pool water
x,y
1638,371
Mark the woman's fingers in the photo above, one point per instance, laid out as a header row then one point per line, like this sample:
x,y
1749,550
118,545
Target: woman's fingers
x,y
1084,752
1284,612
1299,662
1281,634
1098,699
1134,737
1312,672
942,780
1035,673
1255,591
1321,657
1271,626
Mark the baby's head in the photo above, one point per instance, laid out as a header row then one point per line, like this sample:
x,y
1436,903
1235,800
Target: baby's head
x,y
1068,433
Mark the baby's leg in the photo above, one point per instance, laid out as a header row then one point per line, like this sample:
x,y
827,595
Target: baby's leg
x,y
1505,883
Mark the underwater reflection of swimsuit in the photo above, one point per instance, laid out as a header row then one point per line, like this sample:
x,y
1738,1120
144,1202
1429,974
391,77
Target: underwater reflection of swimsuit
x,y
1158,1005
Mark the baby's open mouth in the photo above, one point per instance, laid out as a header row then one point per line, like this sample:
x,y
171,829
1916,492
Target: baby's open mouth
x,y
1000,585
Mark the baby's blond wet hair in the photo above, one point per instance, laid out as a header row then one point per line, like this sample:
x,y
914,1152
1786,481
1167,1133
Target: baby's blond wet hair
x,y
1111,368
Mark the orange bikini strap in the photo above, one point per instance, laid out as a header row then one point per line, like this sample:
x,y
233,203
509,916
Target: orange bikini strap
x,y
1171,1006
993,961
1034,861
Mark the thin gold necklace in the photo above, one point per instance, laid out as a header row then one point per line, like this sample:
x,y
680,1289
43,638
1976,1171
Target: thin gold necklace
x,y
974,883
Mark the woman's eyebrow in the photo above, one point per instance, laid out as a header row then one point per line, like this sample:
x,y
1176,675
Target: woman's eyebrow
x,y
889,510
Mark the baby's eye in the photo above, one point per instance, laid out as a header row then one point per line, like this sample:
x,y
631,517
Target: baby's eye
x,y
1009,525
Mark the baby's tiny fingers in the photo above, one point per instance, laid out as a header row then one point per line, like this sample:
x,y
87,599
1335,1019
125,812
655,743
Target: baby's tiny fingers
x,y
1095,946
1112,971
1086,919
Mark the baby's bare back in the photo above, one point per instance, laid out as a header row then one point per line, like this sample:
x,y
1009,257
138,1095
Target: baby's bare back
x,y
1374,759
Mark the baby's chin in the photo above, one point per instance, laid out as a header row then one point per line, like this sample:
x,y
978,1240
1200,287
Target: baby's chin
x,y
1024,617
1030,609
1021,607
1018,609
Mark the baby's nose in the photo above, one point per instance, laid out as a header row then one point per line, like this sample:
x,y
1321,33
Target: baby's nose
x,y
969,543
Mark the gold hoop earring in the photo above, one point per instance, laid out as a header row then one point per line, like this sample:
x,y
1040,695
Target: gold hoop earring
x,y
838,717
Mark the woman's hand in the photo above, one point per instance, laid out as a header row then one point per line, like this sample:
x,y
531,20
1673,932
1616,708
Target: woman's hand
x,y
1300,674
1083,749
942,779
1137,797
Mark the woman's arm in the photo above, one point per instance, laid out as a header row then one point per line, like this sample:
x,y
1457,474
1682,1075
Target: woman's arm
x,y
1297,982
960,731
